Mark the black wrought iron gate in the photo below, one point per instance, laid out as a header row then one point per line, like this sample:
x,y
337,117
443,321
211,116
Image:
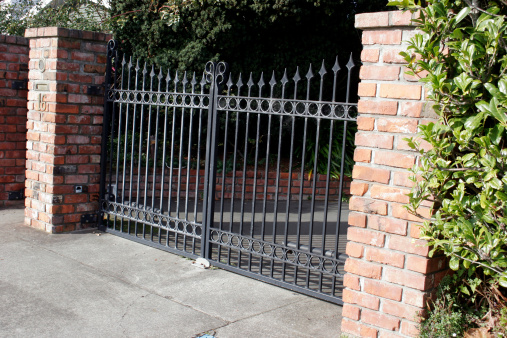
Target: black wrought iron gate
x,y
246,174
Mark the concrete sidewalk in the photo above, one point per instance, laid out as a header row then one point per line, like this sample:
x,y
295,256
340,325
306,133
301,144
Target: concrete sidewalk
x,y
92,284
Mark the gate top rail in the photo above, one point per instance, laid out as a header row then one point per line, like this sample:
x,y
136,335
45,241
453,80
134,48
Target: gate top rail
x,y
296,96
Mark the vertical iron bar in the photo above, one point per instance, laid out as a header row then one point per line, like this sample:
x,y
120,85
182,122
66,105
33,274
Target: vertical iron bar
x,y
140,151
117,172
148,146
336,69
250,83
254,198
180,159
277,185
162,180
296,79
197,175
350,65
189,154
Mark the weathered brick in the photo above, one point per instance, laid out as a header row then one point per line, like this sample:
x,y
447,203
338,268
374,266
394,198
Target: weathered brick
x,y
382,289
385,257
369,20
367,205
383,73
366,236
354,250
362,155
377,107
358,189
397,125
400,91
361,299
362,268
380,320
365,123
402,310
371,174
374,140
356,219
382,37
370,55
350,311
351,282
394,159
367,90
411,279
388,193
388,224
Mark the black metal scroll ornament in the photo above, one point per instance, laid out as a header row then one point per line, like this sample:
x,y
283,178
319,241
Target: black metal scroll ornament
x,y
216,73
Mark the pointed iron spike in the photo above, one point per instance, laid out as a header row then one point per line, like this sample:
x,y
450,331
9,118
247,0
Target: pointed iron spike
x,y
350,64
152,73
130,63
193,82
309,75
144,69
203,80
297,77
284,78
239,84
176,77
185,80
261,82
137,65
123,61
323,70
160,76
168,77
250,82
336,67
272,82
229,82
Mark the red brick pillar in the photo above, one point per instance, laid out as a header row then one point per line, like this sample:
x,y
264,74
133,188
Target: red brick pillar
x,y
64,127
13,84
389,275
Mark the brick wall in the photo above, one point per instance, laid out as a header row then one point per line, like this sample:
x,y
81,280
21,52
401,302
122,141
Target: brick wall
x,y
13,78
235,181
389,275
64,127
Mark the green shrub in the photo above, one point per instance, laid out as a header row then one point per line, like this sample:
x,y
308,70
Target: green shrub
x,y
73,14
447,316
464,51
462,47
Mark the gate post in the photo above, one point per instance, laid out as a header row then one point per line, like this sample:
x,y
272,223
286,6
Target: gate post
x,y
65,103
388,273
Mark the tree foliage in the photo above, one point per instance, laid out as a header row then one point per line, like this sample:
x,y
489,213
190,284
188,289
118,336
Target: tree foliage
x,y
250,34
73,14
463,49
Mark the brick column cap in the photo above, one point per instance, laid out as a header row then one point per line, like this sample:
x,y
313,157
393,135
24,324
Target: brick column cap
x,y
51,32
13,40
386,19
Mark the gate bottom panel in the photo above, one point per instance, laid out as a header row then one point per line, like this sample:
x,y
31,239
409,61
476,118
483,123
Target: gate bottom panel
x,y
311,273
150,227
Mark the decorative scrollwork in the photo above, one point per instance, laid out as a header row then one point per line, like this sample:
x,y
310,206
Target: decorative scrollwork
x,y
112,45
153,217
216,73
277,252
326,110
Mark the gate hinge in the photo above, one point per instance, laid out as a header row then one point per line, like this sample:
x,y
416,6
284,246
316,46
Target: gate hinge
x,y
16,195
89,218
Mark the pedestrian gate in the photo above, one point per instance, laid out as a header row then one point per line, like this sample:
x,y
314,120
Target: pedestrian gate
x,y
248,175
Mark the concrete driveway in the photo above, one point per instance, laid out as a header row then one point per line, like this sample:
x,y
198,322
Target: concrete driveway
x,y
93,284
